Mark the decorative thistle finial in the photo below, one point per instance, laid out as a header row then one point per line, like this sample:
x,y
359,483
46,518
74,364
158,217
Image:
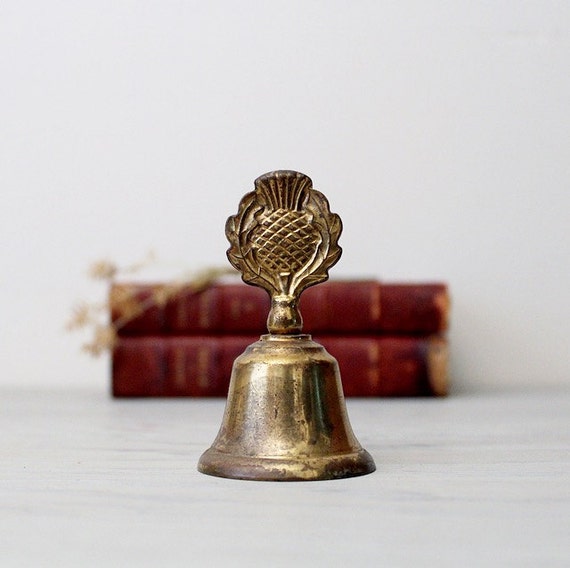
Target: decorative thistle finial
x,y
284,239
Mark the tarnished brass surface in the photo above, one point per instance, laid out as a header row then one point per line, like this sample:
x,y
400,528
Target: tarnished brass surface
x,y
285,417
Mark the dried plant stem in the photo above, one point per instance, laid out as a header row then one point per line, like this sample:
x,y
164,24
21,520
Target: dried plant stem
x,y
124,301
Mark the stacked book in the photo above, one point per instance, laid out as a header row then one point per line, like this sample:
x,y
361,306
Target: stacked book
x,y
389,339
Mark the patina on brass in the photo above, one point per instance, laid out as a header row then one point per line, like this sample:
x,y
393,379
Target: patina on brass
x,y
285,417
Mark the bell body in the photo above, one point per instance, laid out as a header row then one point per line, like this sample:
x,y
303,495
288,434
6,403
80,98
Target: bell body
x,y
285,417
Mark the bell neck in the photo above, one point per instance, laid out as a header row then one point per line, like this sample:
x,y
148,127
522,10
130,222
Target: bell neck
x,y
284,317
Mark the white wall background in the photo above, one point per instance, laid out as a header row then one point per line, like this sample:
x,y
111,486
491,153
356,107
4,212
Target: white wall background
x,y
440,131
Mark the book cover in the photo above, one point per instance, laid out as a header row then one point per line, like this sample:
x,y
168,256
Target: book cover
x,y
336,307
371,366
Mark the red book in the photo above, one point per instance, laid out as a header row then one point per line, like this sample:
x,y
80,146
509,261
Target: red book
x,y
386,366
341,307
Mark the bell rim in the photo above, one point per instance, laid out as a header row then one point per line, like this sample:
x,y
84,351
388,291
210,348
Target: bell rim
x,y
256,468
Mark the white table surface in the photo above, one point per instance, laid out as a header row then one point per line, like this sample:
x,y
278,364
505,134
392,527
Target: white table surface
x,y
478,480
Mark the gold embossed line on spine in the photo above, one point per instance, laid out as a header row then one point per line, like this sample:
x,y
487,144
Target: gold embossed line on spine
x,y
284,239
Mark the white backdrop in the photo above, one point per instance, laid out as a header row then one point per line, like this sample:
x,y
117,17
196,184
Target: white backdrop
x,y
438,130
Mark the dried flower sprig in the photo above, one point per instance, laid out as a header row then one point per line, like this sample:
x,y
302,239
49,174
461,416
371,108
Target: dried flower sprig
x,y
102,270
124,303
81,316
104,337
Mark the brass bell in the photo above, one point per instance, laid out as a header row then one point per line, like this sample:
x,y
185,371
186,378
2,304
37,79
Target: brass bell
x,y
285,416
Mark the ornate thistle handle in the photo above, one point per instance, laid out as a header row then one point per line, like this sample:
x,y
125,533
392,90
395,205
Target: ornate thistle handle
x,y
284,239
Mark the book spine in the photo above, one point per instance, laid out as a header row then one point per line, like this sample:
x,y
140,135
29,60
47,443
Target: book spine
x,y
200,366
350,307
